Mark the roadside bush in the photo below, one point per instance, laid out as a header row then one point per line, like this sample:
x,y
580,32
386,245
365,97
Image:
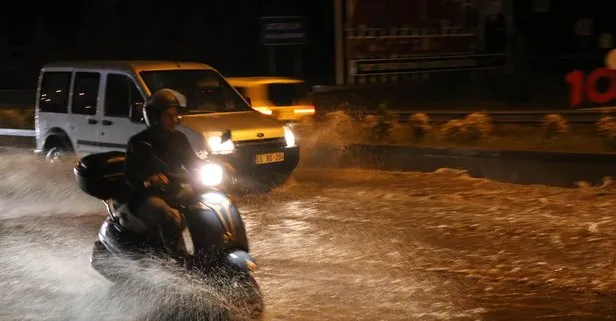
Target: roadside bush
x,y
420,125
555,125
606,127
385,122
478,126
369,121
378,126
472,128
454,130
338,126
399,131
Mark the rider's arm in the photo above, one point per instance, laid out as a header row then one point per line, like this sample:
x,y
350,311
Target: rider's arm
x,y
190,158
136,169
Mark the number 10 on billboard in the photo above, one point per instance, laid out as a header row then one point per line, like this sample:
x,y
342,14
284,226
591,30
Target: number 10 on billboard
x,y
584,88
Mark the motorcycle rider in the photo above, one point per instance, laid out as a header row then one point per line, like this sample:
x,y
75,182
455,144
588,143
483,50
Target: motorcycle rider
x,y
146,174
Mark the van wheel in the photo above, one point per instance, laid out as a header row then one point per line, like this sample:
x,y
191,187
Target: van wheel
x,y
57,150
54,155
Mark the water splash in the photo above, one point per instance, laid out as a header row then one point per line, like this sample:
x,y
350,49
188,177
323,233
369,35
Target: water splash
x,y
45,250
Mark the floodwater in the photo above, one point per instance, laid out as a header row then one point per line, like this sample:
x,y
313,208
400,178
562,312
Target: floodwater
x,y
332,245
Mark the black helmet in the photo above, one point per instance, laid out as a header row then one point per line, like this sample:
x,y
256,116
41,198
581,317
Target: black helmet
x,y
159,101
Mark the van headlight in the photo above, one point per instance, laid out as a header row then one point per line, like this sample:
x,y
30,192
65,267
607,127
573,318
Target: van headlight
x,y
289,137
211,174
217,147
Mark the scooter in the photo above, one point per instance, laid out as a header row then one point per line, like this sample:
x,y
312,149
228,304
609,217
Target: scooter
x,y
216,228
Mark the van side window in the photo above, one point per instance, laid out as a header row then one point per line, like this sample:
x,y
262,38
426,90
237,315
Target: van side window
x,y
85,93
54,92
121,94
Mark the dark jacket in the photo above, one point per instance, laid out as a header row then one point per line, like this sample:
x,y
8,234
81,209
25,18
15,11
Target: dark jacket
x,y
173,149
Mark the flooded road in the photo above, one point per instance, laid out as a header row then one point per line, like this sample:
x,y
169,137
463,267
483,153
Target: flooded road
x,y
338,245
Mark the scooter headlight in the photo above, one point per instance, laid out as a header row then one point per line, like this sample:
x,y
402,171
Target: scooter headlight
x,y
211,174
289,137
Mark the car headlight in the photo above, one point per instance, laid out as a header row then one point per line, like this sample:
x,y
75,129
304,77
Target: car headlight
x,y
211,174
217,147
289,136
263,110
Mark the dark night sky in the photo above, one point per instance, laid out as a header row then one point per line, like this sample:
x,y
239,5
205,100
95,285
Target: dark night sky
x,y
224,34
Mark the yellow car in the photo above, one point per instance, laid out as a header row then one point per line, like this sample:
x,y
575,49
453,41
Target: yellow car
x,y
286,99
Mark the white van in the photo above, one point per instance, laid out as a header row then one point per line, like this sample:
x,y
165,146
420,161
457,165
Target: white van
x,y
91,107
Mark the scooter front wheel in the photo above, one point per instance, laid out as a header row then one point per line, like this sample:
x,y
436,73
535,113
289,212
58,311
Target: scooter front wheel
x,y
249,292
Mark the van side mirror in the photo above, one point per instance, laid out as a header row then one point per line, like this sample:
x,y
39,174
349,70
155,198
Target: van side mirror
x,y
136,114
248,100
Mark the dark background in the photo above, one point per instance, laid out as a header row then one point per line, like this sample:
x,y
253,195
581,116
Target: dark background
x,y
226,35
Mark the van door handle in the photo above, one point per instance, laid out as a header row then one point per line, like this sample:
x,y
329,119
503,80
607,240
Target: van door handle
x,y
107,122
92,121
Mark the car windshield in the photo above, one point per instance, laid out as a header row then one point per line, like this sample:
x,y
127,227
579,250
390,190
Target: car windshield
x,y
205,90
287,94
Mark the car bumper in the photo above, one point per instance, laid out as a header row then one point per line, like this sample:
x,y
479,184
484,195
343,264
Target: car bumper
x,y
242,166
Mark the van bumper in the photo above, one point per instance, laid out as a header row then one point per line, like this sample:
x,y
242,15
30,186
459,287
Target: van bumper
x,y
242,167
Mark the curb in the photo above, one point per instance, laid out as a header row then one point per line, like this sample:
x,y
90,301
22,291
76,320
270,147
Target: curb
x,y
519,167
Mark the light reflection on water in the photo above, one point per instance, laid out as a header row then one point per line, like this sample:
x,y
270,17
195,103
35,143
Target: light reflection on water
x,y
334,245
320,256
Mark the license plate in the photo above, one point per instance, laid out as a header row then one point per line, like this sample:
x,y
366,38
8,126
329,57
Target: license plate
x,y
269,158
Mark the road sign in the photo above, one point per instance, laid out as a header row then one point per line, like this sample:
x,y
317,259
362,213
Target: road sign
x,y
283,30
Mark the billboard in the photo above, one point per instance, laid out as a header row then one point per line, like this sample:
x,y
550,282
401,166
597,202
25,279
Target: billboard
x,y
410,36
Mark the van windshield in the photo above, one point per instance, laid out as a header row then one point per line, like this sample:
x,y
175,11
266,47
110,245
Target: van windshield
x,y
205,90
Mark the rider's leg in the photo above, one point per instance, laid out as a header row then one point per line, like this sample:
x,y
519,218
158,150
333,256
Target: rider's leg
x,y
169,223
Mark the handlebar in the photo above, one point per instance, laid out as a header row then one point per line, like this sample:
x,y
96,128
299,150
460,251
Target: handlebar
x,y
207,175
184,181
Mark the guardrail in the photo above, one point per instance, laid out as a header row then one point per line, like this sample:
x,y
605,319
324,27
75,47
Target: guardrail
x,y
17,132
25,98
515,117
